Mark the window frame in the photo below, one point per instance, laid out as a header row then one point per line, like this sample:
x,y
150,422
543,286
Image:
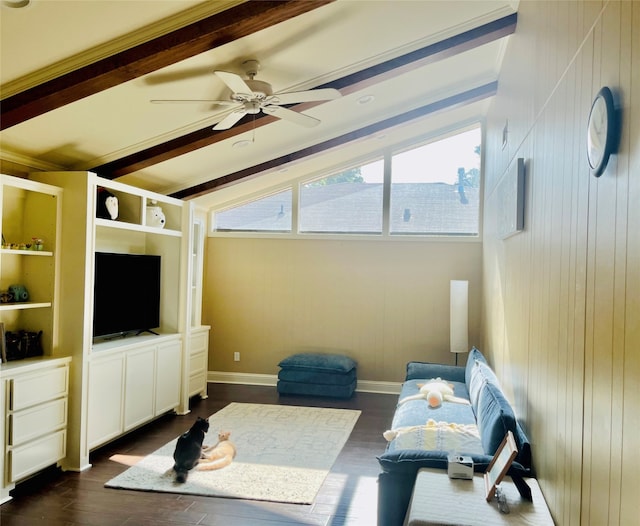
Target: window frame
x,y
254,198
386,154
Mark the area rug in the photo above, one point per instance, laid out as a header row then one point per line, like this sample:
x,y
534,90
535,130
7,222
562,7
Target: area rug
x,y
284,454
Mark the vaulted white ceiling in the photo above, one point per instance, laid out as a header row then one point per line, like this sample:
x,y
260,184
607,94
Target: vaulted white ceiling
x,y
437,74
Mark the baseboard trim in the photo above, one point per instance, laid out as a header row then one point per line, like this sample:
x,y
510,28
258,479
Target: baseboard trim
x,y
364,386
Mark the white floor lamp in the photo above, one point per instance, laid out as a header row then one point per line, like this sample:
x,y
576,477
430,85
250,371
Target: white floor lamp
x,y
458,317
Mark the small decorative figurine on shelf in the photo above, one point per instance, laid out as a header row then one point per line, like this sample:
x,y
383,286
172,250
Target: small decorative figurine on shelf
x,y
107,205
19,293
38,244
22,344
155,215
6,297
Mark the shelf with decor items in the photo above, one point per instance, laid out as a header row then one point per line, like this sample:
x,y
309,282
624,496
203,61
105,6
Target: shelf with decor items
x,y
105,216
34,375
29,266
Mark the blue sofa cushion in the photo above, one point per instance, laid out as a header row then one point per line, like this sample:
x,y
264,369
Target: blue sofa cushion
x,y
474,356
426,370
334,363
495,417
409,461
417,412
524,448
480,373
317,377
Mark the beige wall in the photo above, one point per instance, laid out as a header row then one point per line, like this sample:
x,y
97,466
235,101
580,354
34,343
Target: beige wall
x,y
562,298
383,303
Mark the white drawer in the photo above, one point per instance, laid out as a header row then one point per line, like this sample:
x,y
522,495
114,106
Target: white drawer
x,y
197,362
38,387
36,455
196,383
37,421
199,342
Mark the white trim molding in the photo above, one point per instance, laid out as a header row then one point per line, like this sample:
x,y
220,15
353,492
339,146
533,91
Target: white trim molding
x,y
364,386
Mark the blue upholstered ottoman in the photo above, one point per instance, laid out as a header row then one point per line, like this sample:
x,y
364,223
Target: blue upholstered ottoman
x,y
317,374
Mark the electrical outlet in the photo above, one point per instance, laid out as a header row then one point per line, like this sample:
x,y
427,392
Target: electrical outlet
x,y
236,356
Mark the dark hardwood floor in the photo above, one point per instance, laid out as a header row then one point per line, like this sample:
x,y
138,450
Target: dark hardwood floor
x,y
348,496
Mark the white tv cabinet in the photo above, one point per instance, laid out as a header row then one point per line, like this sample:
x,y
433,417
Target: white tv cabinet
x,y
132,382
121,384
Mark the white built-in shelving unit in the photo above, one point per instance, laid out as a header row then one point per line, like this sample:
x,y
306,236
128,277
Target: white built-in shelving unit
x,y
34,390
121,384
82,393
198,334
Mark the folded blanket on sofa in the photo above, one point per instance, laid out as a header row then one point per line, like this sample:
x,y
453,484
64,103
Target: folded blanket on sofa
x,y
460,438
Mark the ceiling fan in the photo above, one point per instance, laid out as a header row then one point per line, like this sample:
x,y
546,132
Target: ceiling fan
x,y
250,96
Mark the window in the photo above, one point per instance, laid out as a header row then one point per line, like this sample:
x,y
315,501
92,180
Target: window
x,y
435,188
424,189
267,214
346,202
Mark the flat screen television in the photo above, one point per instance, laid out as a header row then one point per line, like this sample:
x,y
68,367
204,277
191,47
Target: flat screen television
x,y
126,294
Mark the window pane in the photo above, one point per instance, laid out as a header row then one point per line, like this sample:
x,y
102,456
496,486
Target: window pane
x,y
435,188
347,202
268,214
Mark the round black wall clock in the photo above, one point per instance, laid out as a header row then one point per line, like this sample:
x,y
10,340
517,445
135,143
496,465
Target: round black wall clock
x,y
601,131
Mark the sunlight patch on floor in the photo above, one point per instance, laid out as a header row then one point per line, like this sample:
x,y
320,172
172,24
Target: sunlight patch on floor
x,y
127,460
358,499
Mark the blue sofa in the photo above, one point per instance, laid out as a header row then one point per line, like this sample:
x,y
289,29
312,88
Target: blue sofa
x,y
421,436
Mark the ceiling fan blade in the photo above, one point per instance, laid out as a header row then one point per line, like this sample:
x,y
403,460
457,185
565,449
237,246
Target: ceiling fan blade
x,y
235,82
292,116
194,101
230,120
305,96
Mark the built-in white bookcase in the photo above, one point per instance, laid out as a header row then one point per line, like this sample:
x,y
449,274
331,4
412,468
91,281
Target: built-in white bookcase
x,y
34,390
120,384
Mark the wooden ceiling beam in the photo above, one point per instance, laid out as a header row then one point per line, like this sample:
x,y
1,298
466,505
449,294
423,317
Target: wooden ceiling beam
x,y
440,50
193,39
448,103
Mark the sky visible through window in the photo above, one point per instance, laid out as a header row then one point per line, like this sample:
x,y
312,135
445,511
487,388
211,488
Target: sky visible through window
x,y
445,157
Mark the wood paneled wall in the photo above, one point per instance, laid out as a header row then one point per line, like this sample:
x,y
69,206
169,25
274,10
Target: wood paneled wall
x,y
562,299
382,303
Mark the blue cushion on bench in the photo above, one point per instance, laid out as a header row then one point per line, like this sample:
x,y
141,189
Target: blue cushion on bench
x,y
317,377
302,388
335,363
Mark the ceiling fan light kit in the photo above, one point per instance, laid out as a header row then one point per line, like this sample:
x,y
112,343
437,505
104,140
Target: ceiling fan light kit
x,y
251,96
